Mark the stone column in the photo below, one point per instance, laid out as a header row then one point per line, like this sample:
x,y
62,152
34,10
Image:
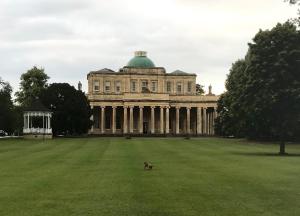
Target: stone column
x,y
167,120
188,120
99,118
177,120
152,120
92,119
199,121
113,119
212,123
161,120
209,123
131,119
204,121
214,118
141,120
103,119
125,124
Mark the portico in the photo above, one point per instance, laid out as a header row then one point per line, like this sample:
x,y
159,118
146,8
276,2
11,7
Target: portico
x,y
149,119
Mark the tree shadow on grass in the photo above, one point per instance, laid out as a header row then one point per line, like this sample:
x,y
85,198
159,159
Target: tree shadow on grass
x,y
266,154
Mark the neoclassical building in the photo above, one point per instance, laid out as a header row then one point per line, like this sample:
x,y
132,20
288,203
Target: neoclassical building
x,y
142,99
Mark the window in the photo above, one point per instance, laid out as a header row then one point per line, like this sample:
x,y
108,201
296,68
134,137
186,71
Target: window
x,y
133,85
153,86
107,86
145,86
189,87
179,87
96,85
118,86
168,86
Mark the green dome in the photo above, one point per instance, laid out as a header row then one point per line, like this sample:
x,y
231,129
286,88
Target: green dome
x,y
140,61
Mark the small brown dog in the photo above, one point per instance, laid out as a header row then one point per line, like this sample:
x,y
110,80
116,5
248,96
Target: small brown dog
x,y
147,166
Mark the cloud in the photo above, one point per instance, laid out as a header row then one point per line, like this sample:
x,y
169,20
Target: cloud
x,y
69,38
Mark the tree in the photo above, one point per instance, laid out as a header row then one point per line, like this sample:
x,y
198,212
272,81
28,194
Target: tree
x,y
6,108
18,120
230,121
263,90
274,72
292,1
199,89
70,107
31,85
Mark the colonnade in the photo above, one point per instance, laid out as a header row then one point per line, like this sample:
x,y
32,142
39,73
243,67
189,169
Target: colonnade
x,y
153,120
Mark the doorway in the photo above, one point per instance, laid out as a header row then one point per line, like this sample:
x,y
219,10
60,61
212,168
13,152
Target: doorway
x,y
145,127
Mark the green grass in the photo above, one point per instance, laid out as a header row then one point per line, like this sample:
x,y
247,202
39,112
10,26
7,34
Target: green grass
x,y
105,176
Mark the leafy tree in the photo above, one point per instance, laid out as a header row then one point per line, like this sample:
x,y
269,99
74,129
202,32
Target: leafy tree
x,y
18,120
70,107
229,122
292,1
295,2
263,97
274,82
199,89
31,85
6,107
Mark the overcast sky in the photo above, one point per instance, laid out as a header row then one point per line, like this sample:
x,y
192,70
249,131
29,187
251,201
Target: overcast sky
x,y
69,38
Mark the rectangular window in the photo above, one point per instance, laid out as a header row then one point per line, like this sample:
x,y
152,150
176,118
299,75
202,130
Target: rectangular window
x,y
107,86
153,86
96,85
133,86
118,86
145,86
189,87
168,86
179,88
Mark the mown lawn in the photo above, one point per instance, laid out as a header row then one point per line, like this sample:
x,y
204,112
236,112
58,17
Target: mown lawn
x,y
105,176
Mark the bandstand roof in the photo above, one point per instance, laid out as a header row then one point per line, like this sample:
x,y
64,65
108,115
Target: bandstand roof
x,y
37,105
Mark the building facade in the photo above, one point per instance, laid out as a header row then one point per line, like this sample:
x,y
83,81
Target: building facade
x,y
142,99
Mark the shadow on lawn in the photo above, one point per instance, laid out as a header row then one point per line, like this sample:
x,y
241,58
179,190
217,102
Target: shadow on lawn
x,y
264,154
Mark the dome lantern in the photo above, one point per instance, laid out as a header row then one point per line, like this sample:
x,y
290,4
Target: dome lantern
x,y
140,60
